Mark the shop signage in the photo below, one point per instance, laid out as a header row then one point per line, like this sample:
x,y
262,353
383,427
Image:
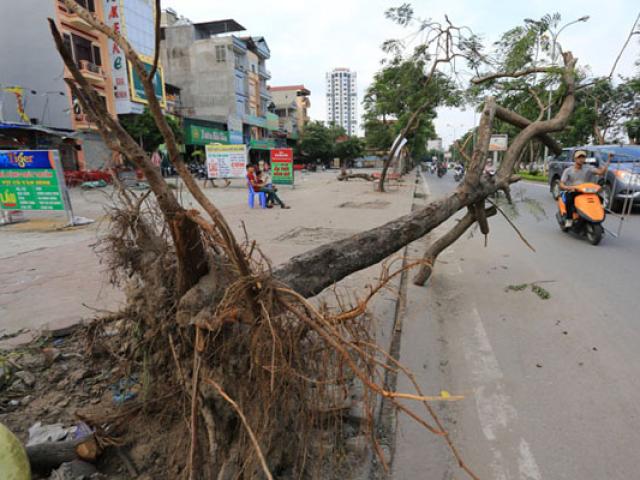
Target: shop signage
x,y
201,135
282,166
32,180
113,13
226,161
263,144
499,142
137,90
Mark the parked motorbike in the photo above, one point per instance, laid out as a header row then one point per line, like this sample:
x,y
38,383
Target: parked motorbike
x,y
588,213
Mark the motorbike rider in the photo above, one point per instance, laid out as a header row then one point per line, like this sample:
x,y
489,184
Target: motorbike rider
x,y
578,174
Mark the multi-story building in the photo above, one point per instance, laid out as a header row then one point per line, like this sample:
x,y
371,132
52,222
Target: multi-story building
x,y
342,99
33,69
135,19
222,78
292,106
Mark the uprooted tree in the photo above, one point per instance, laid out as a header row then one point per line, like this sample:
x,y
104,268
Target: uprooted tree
x,y
232,351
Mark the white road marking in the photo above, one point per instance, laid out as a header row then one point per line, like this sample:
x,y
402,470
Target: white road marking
x,y
527,466
495,411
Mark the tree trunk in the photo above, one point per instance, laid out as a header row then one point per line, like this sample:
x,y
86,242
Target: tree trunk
x,y
48,456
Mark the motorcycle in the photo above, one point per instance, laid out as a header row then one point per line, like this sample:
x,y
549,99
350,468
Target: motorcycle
x,y
458,174
588,212
442,171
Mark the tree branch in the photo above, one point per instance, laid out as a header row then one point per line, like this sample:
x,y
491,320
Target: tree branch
x,y
631,34
313,271
519,121
437,247
518,74
156,54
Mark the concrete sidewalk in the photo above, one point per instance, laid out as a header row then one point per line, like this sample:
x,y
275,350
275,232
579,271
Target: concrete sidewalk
x,y
48,273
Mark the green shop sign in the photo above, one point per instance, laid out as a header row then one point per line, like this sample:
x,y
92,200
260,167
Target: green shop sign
x,y
263,144
199,135
31,180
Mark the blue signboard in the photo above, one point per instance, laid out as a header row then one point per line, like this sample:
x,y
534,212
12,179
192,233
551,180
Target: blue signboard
x,y
27,160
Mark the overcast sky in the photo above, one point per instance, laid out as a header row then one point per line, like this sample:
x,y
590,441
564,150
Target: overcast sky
x,y
308,38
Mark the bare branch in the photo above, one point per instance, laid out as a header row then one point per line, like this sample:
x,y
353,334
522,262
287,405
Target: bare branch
x,y
522,237
541,105
437,247
631,34
156,54
518,74
519,121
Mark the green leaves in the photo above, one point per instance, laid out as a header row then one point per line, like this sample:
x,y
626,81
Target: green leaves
x,y
144,130
402,15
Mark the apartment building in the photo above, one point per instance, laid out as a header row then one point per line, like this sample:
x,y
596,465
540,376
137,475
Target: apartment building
x,y
342,99
222,78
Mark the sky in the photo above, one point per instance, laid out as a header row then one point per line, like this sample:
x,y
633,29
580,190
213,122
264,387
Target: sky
x,y
308,38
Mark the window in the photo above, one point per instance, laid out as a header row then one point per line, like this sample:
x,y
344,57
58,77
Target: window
x,y
67,43
88,4
221,53
97,58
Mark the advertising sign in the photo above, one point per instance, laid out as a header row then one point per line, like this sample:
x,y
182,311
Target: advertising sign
x,y
137,90
499,143
226,161
31,180
282,166
201,135
114,19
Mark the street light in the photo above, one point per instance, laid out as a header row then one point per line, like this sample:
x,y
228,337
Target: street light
x,y
554,37
454,137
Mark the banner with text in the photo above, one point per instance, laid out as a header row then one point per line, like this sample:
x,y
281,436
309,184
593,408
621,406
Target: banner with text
x,y
226,161
31,180
282,166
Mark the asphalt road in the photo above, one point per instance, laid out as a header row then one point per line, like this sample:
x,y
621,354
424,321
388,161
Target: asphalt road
x,y
551,386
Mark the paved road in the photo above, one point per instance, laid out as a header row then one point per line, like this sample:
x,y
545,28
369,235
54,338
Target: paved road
x,y
551,387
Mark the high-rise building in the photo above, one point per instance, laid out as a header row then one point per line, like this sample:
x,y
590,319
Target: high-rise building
x,y
342,99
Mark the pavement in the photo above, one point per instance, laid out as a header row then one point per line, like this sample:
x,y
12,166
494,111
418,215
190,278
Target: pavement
x,y
550,386
51,277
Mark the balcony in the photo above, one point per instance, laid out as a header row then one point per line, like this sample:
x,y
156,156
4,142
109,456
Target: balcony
x,y
92,72
264,73
73,19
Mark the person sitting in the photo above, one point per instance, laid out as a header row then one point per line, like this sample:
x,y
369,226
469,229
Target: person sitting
x,y
260,186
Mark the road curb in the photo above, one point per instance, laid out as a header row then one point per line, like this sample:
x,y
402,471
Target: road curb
x,y
386,416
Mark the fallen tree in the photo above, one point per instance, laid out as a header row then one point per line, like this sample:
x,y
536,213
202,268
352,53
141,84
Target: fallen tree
x,y
236,354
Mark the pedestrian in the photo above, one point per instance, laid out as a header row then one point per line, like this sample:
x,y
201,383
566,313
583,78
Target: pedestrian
x,y
259,186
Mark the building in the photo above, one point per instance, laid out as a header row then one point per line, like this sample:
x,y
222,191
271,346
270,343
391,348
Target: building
x,y
292,107
222,79
32,87
136,20
342,99
33,90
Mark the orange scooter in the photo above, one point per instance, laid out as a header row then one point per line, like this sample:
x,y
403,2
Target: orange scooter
x,y
588,213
